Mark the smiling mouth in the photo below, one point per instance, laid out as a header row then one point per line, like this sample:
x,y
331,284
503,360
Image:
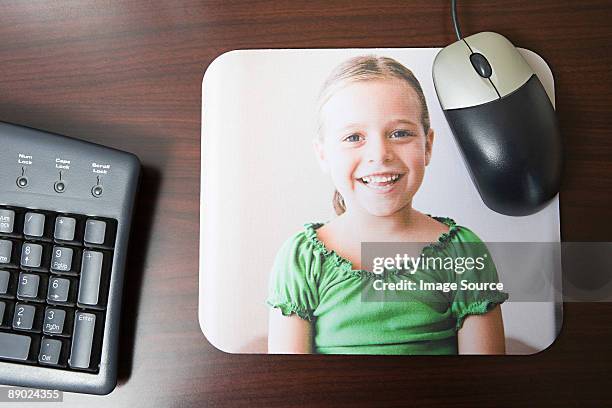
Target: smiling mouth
x,y
381,181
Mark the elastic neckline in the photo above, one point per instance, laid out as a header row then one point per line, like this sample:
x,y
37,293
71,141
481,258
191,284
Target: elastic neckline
x,y
344,264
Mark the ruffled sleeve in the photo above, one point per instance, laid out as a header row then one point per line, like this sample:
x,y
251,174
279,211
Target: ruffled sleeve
x,y
469,299
293,282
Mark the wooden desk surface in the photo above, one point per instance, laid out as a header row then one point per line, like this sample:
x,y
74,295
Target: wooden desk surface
x,y
128,75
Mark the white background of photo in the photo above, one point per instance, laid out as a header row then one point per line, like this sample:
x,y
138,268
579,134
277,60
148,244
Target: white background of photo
x,y
261,183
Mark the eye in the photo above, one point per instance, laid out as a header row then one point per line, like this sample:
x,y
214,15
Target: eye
x,y
399,134
353,138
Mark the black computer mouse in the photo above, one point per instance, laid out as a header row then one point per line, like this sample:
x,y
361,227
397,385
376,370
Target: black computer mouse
x,y
503,121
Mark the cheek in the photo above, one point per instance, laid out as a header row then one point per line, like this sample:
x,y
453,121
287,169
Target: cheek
x,y
415,161
342,164
413,155
418,170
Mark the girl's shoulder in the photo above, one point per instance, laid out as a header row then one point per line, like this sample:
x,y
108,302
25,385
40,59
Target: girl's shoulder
x,y
302,244
296,271
306,250
304,239
456,233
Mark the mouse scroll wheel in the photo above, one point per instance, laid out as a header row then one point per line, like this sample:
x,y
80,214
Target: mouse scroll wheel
x,y
481,65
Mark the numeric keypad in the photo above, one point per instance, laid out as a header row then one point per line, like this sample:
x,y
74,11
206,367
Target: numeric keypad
x,y
54,279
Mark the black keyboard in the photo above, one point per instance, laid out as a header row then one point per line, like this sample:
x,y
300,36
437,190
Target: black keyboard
x,y
65,215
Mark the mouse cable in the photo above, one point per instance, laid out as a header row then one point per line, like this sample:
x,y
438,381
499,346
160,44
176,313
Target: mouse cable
x,y
455,22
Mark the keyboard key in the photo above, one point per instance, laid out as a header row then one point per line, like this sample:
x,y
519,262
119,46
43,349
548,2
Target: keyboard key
x,y
5,279
6,249
54,321
14,346
6,317
91,270
23,318
34,224
58,290
7,221
95,232
64,228
50,350
31,255
82,340
28,285
62,259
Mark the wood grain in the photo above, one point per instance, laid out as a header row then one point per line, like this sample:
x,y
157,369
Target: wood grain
x,y
128,75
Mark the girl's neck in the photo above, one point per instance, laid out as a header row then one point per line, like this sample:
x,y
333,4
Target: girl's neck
x,y
362,223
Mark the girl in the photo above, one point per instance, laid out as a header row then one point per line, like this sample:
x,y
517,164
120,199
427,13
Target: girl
x,y
374,141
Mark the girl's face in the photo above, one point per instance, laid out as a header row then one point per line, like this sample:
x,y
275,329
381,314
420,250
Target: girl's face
x,y
374,146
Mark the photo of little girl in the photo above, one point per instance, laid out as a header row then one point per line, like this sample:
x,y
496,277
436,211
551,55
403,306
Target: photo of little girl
x,y
374,141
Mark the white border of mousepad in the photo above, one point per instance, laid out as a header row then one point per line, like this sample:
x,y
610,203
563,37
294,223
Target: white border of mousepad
x,y
261,182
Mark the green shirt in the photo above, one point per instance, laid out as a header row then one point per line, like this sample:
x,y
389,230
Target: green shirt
x,y
320,286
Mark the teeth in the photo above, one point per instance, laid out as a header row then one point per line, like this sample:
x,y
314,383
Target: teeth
x,y
380,179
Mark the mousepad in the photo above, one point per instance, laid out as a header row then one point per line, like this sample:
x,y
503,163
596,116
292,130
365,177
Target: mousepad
x,y
265,189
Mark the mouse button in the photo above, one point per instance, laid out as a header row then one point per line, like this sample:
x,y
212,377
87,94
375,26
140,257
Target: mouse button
x,y
509,69
481,65
457,83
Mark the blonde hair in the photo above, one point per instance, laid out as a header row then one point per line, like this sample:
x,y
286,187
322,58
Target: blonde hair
x,y
367,68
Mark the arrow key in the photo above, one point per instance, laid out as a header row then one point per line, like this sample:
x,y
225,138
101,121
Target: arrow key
x,y
5,280
23,319
31,255
58,291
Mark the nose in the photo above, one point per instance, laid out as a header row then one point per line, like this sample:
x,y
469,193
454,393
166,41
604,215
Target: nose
x,y
379,150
